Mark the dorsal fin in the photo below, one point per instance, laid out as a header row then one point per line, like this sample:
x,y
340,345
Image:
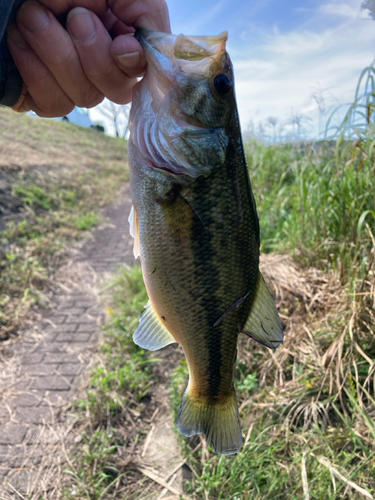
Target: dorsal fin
x,y
134,231
151,334
264,324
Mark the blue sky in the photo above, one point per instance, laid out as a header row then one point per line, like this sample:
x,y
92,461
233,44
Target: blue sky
x,y
284,50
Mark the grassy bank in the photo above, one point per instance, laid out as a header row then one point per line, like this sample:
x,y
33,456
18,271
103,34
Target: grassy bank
x,y
54,178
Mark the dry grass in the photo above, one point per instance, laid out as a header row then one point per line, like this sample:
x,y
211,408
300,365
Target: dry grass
x,y
324,374
325,325
57,176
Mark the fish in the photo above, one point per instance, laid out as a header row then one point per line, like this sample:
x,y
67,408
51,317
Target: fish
x,y
195,226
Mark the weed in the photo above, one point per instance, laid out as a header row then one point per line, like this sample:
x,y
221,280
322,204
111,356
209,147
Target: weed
x,y
86,222
60,191
33,196
117,393
307,409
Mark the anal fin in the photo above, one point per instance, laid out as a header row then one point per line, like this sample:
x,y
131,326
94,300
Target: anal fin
x,y
151,334
264,324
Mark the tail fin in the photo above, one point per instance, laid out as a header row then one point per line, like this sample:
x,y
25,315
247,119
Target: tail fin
x,y
220,423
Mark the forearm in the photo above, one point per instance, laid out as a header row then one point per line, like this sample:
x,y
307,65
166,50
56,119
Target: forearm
x,y
10,79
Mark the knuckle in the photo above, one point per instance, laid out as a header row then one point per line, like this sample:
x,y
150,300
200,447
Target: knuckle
x,y
89,99
54,109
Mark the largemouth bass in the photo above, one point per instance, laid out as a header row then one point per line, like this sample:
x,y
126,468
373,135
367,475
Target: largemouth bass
x,y
196,227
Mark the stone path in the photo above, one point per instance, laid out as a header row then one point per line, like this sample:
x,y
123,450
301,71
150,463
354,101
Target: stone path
x,y
46,369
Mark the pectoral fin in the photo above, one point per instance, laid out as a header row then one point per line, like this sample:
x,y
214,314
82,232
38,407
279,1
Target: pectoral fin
x,y
264,324
151,334
134,232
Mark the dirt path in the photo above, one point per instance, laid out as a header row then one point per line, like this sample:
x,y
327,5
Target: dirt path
x,y
47,368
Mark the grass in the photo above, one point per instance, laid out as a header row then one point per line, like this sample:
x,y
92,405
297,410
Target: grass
x,y
315,204
319,201
60,175
117,400
308,409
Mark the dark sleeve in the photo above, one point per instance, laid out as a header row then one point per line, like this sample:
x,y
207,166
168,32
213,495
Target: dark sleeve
x,y
10,79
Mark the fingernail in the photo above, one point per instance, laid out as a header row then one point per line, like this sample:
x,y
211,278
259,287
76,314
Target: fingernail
x,y
81,24
33,17
15,35
129,60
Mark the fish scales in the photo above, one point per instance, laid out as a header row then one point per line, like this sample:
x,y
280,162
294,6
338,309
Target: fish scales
x,y
195,219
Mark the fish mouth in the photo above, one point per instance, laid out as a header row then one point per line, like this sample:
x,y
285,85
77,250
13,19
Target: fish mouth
x,y
170,55
167,54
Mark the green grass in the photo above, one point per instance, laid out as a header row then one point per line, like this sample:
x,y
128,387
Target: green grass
x,y
118,386
306,412
313,205
62,175
319,201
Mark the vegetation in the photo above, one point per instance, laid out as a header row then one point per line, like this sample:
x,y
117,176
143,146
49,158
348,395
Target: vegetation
x,y
55,181
308,408
117,397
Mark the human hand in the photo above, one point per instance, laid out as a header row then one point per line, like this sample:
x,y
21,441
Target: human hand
x,y
95,57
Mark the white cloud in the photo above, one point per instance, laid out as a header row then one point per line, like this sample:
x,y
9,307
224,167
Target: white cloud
x,y
289,65
339,9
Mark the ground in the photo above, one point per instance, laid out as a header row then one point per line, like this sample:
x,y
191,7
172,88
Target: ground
x,y
49,366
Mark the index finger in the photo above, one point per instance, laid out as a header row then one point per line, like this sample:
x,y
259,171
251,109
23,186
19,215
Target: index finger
x,y
149,14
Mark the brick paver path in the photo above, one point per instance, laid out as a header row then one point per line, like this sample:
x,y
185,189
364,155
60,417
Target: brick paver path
x,y
46,369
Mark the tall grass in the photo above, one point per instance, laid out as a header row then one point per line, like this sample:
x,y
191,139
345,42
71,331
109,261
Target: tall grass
x,y
308,409
317,200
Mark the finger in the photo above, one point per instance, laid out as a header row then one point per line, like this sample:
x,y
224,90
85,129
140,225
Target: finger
x,y
114,26
95,55
54,47
129,55
100,7
41,92
149,14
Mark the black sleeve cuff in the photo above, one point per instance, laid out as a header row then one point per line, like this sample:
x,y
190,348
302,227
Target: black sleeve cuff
x,y
10,79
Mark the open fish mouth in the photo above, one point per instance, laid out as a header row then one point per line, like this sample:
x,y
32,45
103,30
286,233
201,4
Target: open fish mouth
x,y
193,55
169,56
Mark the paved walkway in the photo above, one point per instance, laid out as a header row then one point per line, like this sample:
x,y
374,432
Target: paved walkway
x,y
46,369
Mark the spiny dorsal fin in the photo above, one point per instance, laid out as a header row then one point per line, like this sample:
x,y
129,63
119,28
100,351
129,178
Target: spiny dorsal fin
x,y
263,323
151,334
134,232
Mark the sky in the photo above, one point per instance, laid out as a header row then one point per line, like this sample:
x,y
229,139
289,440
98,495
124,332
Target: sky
x,y
284,51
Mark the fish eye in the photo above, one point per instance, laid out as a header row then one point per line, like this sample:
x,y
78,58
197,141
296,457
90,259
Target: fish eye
x,y
222,83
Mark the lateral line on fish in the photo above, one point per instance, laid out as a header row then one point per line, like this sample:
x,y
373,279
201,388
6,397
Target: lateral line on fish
x,y
230,309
